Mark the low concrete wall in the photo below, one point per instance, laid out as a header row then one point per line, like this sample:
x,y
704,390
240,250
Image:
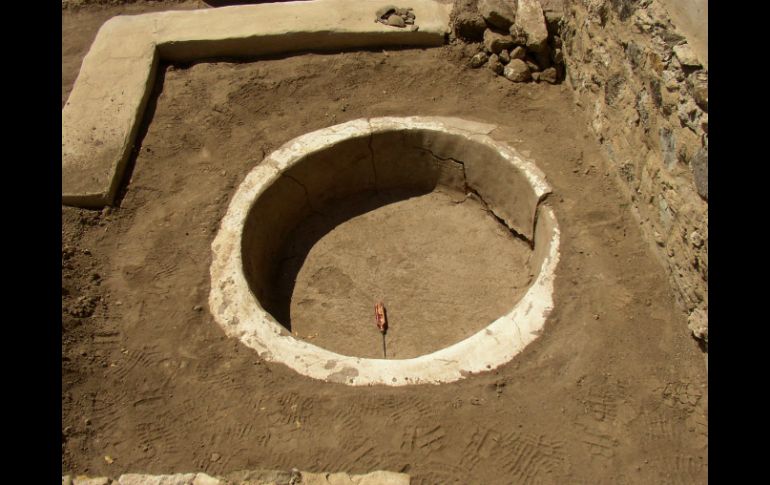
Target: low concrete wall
x,y
102,115
644,90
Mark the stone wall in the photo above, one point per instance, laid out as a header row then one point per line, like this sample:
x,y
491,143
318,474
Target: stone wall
x,y
645,94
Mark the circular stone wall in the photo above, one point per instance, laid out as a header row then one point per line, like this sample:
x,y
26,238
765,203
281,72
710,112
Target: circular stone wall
x,y
379,154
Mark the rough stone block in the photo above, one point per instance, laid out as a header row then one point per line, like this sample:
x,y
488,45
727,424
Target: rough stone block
x,y
686,56
479,59
495,64
553,11
549,75
530,18
499,13
517,71
495,42
470,26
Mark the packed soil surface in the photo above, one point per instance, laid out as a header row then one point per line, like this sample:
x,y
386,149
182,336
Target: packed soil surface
x,y
613,391
442,265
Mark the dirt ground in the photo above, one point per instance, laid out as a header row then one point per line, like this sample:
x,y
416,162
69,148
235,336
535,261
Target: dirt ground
x,y
614,390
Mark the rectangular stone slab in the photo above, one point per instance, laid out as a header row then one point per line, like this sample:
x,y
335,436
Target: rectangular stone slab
x,y
102,115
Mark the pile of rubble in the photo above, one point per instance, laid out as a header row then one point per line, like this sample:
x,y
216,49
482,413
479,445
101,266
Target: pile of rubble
x,y
395,16
516,38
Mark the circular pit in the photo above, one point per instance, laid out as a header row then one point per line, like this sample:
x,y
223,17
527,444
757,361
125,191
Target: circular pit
x,y
344,175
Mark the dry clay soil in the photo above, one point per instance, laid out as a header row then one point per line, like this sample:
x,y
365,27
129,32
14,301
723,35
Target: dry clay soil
x,y
613,391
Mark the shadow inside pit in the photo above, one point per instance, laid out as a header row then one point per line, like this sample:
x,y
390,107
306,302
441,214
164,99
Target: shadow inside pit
x,y
312,229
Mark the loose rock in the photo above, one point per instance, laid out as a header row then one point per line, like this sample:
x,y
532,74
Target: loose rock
x,y
385,11
396,21
686,56
479,60
517,71
499,13
530,18
505,57
518,35
549,75
518,53
494,42
470,26
395,17
532,66
494,64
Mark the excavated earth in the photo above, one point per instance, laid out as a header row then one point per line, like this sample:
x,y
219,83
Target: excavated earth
x,y
613,391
